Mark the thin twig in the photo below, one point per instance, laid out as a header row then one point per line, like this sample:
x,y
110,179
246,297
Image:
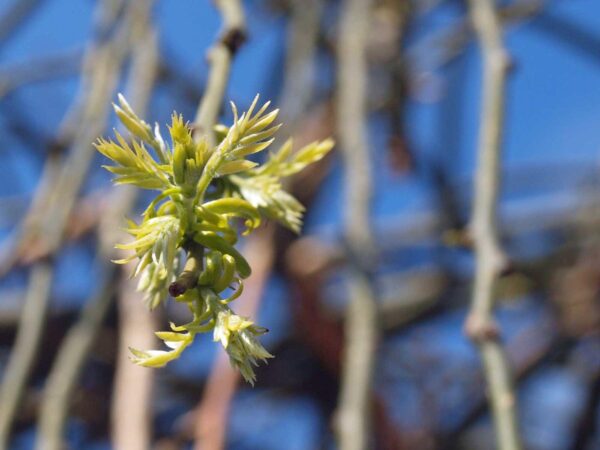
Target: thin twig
x,y
442,47
62,64
353,415
19,11
78,342
480,325
298,86
131,408
220,57
99,84
131,417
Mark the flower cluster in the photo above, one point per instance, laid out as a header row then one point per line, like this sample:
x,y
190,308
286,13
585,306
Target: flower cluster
x,y
185,243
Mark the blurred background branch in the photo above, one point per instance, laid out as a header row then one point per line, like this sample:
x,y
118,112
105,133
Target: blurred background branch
x,y
353,419
490,260
13,17
399,85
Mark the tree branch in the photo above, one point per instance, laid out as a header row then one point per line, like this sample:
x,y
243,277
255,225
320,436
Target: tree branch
x,y
299,81
445,45
220,57
353,415
131,408
480,325
63,64
18,12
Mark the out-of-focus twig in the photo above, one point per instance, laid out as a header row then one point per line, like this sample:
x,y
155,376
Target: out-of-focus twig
x,y
443,46
490,261
353,415
303,34
103,68
570,33
80,338
131,408
26,235
65,63
388,87
232,36
78,342
14,16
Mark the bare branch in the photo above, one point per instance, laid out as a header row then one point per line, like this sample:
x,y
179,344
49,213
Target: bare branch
x,y
131,417
353,415
131,409
445,45
68,364
300,62
19,11
480,324
220,56
63,64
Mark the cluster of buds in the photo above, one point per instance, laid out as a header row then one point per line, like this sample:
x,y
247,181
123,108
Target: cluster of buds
x,y
209,196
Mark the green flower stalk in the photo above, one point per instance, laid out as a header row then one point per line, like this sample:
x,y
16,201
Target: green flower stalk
x,y
208,196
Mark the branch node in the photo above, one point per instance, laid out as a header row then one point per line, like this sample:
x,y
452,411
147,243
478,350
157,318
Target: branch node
x,y
481,329
234,38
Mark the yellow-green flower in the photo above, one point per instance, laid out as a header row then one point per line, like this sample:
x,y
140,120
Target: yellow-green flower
x,y
185,242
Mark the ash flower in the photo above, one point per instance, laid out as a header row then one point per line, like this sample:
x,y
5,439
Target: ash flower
x,y
228,323
205,189
239,338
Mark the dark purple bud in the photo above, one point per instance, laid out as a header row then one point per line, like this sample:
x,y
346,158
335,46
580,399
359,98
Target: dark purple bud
x,y
176,289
